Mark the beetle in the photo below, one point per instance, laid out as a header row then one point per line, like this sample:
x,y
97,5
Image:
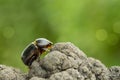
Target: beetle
x,y
35,49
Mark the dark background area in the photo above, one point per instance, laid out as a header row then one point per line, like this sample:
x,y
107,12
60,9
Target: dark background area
x,y
93,26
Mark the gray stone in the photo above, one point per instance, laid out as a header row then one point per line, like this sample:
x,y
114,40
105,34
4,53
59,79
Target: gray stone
x,y
37,78
114,73
65,61
10,73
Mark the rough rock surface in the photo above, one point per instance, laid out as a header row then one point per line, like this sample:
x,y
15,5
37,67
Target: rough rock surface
x,y
64,62
9,73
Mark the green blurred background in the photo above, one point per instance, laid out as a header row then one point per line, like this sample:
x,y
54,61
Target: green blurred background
x,y
92,25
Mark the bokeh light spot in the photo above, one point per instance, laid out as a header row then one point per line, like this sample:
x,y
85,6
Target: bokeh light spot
x,y
8,32
101,34
116,27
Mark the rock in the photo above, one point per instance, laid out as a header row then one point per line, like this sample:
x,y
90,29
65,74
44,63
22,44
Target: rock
x,y
36,78
114,73
10,73
65,61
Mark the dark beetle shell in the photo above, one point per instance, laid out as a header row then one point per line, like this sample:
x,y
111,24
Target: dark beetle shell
x,y
33,50
29,54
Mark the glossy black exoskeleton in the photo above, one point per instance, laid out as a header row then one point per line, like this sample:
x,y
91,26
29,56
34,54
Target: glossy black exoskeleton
x,y
34,50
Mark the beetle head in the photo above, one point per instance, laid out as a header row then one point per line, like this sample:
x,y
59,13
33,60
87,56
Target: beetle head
x,y
43,44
